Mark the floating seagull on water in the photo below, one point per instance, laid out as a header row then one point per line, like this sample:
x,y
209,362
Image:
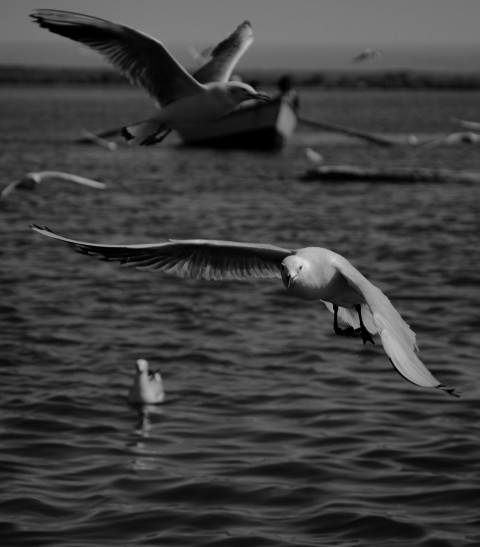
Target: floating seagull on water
x,y
147,386
312,273
31,180
367,54
180,97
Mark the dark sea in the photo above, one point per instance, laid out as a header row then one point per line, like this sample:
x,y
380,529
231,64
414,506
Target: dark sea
x,y
275,432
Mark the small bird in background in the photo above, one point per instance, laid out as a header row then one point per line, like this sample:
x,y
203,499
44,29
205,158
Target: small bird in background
x,y
367,54
311,273
181,99
31,180
314,156
147,386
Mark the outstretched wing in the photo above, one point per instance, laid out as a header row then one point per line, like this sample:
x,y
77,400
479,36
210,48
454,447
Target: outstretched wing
x,y
195,259
10,188
72,178
398,339
142,58
225,55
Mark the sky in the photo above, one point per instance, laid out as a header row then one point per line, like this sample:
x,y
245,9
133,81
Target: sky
x,y
313,26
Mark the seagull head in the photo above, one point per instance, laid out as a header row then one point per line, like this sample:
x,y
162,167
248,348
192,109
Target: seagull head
x,y
291,270
142,366
240,92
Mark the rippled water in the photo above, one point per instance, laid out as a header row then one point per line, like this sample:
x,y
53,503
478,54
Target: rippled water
x,y
275,432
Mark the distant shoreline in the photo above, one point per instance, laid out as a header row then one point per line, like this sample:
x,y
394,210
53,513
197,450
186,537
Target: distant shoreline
x,y
344,79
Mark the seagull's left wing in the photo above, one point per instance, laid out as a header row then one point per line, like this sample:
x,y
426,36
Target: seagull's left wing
x,y
195,258
398,339
225,55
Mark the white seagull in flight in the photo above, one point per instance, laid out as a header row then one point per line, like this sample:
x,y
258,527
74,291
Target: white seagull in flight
x,y
312,273
31,180
181,99
147,386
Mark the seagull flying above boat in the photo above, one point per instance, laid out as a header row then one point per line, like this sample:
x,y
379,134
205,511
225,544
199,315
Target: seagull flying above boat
x,y
31,180
180,98
311,273
147,386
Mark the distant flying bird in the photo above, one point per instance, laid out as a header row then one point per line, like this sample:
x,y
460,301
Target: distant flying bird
x,y
462,137
467,124
147,386
311,273
367,54
180,98
31,180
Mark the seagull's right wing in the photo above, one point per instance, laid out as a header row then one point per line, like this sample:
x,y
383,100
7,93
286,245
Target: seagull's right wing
x,y
143,59
72,178
225,55
195,258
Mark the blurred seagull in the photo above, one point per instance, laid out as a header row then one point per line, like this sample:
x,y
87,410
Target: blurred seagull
x,y
180,98
314,156
147,386
467,123
31,180
367,54
312,273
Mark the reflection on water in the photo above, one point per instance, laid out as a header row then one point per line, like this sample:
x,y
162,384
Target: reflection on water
x,y
276,431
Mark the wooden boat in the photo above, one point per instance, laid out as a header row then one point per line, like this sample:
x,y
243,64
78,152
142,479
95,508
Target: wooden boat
x,y
256,126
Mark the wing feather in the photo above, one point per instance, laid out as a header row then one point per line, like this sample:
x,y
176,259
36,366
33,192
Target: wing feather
x,y
195,259
141,58
225,55
398,339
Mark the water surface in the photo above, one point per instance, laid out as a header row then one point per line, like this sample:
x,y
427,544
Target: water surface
x,y
276,432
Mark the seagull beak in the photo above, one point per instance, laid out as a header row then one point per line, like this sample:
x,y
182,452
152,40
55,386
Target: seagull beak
x,y
262,97
287,280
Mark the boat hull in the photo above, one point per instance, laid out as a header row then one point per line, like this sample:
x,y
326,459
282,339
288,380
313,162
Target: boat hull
x,y
258,126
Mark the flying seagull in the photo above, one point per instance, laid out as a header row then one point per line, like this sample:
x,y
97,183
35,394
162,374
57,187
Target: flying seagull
x,y
180,98
147,387
311,273
31,180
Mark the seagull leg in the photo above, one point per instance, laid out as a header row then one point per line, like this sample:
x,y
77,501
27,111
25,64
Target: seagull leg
x,y
366,336
347,331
